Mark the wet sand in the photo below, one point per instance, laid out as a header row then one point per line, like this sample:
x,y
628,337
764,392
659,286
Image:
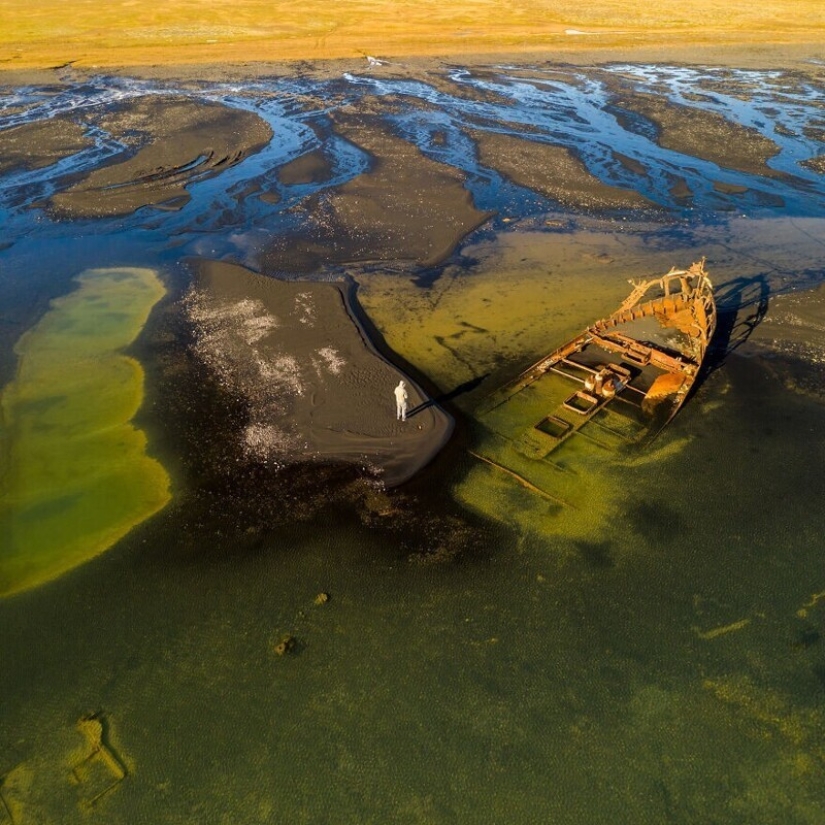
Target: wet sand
x,y
170,143
36,145
314,387
554,172
791,341
704,134
817,164
404,208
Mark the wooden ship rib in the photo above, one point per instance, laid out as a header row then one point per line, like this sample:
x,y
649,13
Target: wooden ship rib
x,y
616,384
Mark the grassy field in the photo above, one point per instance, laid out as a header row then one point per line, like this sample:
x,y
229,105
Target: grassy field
x,y
50,33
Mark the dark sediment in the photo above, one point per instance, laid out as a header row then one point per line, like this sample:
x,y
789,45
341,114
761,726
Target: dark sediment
x,y
553,171
312,167
175,141
703,134
314,388
36,145
405,208
817,164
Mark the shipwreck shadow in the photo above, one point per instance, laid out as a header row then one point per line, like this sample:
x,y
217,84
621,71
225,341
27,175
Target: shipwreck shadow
x,y
741,305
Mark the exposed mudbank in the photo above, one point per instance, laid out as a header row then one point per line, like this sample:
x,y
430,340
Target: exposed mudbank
x,y
817,164
374,166
555,172
314,388
405,207
41,144
167,143
791,340
702,134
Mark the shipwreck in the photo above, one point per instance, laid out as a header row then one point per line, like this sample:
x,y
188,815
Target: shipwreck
x,y
614,386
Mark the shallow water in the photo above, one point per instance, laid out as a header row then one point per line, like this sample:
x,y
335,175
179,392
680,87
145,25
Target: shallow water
x,y
657,658
76,475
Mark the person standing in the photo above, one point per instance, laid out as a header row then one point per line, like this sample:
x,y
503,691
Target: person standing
x,y
401,397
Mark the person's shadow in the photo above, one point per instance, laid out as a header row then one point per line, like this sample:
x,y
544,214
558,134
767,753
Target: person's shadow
x,y
446,397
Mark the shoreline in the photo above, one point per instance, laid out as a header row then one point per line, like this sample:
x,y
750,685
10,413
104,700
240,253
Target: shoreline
x,y
78,465
315,386
792,55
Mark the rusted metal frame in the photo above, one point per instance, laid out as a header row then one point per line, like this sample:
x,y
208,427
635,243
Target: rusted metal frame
x,y
617,397
564,374
692,282
641,288
522,480
590,438
658,359
539,368
648,309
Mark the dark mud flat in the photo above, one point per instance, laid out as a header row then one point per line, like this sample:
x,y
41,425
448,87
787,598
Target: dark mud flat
x,y
314,386
555,172
405,207
41,144
791,341
167,143
703,134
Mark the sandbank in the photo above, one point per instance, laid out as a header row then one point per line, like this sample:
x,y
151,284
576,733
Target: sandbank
x,y
405,207
314,387
177,141
36,145
553,171
702,134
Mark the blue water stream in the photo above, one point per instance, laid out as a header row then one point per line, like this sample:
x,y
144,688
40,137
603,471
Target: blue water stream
x,y
577,110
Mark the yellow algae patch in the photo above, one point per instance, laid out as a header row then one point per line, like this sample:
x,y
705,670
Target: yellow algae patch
x,y
581,504
75,474
530,291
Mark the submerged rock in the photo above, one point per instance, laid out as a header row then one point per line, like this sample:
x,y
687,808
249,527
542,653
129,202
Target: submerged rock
x,y
286,645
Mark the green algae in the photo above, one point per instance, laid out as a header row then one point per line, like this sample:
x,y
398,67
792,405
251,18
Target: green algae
x,y
76,477
529,292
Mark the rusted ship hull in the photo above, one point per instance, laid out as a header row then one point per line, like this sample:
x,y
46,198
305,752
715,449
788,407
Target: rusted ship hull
x,y
616,384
